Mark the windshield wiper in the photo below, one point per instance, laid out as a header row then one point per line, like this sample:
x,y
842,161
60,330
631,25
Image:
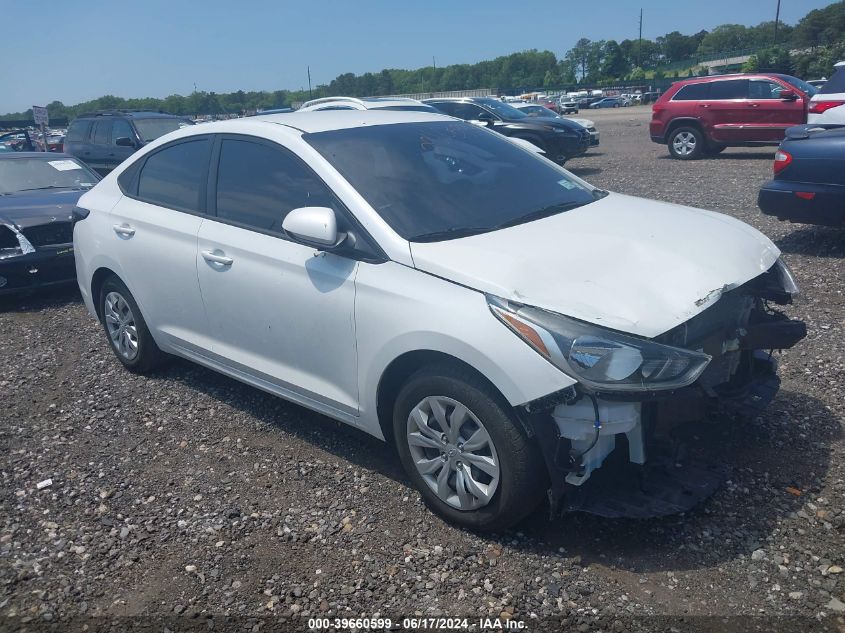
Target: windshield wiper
x,y
540,214
74,187
450,234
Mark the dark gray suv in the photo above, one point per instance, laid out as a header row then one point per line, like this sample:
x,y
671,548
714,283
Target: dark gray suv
x,y
105,139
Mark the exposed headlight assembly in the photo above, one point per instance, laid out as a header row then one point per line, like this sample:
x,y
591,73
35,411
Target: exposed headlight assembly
x,y
786,277
599,358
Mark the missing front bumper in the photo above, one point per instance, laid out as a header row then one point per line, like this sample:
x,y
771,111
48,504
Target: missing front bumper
x,y
636,471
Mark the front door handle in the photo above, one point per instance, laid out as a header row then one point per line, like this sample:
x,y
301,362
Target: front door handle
x,y
703,105
214,258
124,230
753,105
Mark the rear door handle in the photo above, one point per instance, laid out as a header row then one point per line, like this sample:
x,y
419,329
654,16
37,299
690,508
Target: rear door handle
x,y
124,230
703,105
214,258
753,105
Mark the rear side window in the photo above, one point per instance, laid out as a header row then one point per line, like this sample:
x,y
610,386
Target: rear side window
x,y
102,132
258,185
729,89
175,177
692,92
835,84
78,131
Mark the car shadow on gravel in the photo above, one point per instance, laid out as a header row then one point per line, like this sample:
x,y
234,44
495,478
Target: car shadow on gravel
x,y
342,440
36,301
814,241
735,154
772,463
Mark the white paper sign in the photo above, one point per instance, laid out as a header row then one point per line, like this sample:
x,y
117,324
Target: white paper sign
x,y
39,114
63,165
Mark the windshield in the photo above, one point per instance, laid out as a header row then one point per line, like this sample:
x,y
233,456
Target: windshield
x,y
411,108
447,179
802,85
504,110
151,129
538,111
31,174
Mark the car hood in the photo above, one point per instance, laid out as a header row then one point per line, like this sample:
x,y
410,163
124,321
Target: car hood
x,y
626,263
582,122
30,208
543,122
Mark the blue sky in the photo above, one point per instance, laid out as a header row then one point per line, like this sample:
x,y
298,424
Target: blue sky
x,y
82,49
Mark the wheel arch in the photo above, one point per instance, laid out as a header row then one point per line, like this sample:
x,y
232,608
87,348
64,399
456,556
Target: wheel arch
x,y
403,367
97,280
674,124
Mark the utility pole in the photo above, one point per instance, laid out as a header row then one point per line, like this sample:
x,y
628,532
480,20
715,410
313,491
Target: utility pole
x,y
777,19
310,94
640,42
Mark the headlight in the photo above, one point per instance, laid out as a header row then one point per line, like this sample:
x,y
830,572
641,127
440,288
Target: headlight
x,y
786,277
601,359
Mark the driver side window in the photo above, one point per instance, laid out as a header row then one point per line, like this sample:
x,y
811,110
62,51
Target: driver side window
x,y
259,184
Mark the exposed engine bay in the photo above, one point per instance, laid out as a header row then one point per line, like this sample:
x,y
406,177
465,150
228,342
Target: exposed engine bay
x,y
580,428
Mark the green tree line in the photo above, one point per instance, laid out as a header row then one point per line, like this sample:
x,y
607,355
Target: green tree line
x,y
819,38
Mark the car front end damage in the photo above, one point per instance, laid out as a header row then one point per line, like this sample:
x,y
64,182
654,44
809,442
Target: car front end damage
x,y
608,440
35,254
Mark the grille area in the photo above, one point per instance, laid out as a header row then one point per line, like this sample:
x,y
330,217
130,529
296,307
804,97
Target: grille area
x,y
49,234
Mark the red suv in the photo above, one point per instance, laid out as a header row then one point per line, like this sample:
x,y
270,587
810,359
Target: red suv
x,y
704,115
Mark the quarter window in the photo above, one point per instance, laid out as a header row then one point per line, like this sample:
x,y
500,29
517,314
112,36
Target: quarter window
x,y
78,131
692,92
729,89
175,176
258,185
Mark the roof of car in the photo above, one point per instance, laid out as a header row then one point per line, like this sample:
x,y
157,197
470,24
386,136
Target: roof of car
x,y
325,120
45,155
136,114
362,101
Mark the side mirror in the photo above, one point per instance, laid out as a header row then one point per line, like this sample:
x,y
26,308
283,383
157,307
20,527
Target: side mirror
x,y
124,141
486,118
789,95
313,226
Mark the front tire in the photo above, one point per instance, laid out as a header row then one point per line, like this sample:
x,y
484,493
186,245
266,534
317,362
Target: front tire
x,y
128,334
464,451
686,143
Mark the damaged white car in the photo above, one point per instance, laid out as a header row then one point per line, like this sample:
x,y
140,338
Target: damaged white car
x,y
507,325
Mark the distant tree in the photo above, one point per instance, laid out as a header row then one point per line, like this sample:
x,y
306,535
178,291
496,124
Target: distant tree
x,y
637,74
613,63
579,57
724,38
821,27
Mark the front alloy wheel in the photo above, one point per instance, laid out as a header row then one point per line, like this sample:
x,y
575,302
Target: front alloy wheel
x,y
464,449
453,453
126,328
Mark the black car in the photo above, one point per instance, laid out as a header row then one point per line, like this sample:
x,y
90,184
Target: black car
x,y
105,139
559,139
38,191
809,182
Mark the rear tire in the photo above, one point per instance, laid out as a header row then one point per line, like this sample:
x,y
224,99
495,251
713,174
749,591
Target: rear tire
x,y
686,143
434,453
127,332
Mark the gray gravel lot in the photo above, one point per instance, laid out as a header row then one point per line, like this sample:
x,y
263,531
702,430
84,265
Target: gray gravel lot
x,y
186,495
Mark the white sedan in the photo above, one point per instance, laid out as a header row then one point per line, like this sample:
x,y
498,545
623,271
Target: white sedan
x,y
431,283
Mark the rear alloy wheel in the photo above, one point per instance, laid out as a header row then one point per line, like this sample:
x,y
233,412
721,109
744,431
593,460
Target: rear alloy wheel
x,y
686,143
464,451
128,334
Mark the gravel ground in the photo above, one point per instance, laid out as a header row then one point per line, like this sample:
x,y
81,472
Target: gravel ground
x,y
189,500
